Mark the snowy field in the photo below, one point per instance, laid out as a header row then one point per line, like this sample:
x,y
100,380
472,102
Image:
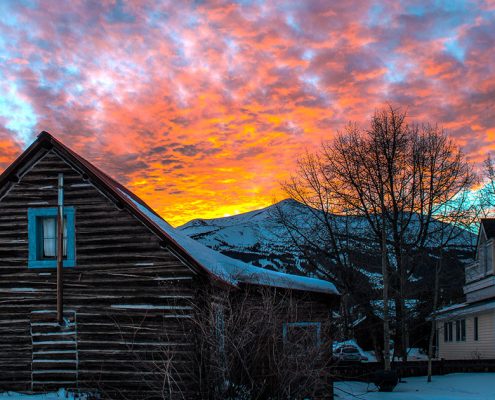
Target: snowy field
x,y
474,386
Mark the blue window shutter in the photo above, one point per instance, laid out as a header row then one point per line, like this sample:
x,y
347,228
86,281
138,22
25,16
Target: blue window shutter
x,y
69,213
32,237
34,243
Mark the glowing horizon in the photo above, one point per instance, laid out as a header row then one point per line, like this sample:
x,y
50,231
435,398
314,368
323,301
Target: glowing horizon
x,y
202,108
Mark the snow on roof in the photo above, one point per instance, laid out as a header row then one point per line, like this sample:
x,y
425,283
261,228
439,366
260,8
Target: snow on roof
x,y
225,268
456,310
451,307
229,269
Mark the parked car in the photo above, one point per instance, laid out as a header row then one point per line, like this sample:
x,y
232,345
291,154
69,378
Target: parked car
x,y
349,353
416,354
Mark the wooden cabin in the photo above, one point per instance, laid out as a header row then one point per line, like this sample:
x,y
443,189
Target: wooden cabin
x,y
132,288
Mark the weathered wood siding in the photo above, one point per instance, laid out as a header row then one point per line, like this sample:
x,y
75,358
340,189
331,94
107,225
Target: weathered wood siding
x,y
129,296
484,347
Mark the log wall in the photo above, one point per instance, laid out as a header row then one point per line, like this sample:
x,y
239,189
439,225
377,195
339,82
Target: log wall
x,y
131,306
127,297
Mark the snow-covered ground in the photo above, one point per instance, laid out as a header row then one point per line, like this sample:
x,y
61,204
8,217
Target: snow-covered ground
x,y
471,386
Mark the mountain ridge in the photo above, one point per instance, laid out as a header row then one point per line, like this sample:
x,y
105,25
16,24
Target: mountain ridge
x,y
259,238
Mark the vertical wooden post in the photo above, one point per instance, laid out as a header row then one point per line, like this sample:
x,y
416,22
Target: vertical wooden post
x,y
60,250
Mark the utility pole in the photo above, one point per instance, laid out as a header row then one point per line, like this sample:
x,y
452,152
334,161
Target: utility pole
x,y
60,250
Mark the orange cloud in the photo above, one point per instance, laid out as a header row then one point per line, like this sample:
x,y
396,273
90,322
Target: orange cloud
x,y
203,109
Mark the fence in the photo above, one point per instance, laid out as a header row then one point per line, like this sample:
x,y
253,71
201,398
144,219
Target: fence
x,y
364,371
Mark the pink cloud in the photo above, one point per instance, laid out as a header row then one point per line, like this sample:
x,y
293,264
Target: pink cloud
x,y
204,108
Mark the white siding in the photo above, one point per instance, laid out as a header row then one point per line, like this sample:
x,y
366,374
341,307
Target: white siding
x,y
481,294
492,252
470,349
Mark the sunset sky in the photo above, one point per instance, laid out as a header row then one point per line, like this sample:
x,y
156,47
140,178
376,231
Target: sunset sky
x,y
202,108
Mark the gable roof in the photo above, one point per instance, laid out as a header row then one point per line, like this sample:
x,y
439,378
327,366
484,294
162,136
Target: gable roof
x,y
456,310
198,256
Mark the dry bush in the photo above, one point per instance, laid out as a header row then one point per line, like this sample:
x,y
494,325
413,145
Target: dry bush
x,y
244,349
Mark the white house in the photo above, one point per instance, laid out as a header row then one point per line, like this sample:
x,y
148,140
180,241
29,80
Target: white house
x,y
467,330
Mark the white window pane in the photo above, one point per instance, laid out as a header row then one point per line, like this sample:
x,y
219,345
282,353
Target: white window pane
x,y
49,237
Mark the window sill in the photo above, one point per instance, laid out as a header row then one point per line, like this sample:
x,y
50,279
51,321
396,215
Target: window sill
x,y
50,263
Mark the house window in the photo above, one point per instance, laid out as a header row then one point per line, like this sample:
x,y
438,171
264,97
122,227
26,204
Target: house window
x,y
302,335
460,330
42,237
448,331
476,331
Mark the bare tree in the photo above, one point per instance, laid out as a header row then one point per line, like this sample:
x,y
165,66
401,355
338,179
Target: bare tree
x,y
260,354
326,241
245,348
485,196
395,175
457,217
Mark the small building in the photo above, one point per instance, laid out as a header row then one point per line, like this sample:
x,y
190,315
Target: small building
x,y
134,289
467,330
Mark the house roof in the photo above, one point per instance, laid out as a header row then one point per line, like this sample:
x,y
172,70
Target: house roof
x,y
198,256
460,309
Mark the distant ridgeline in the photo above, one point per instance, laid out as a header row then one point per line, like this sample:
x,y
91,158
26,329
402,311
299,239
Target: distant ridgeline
x,y
260,238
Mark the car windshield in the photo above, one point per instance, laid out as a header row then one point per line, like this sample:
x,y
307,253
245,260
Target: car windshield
x,y
350,350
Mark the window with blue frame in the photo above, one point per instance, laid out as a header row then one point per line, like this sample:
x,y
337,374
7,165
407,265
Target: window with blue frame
x,y
302,336
42,237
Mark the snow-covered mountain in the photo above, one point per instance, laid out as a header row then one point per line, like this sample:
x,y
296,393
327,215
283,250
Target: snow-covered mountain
x,y
259,237
254,237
